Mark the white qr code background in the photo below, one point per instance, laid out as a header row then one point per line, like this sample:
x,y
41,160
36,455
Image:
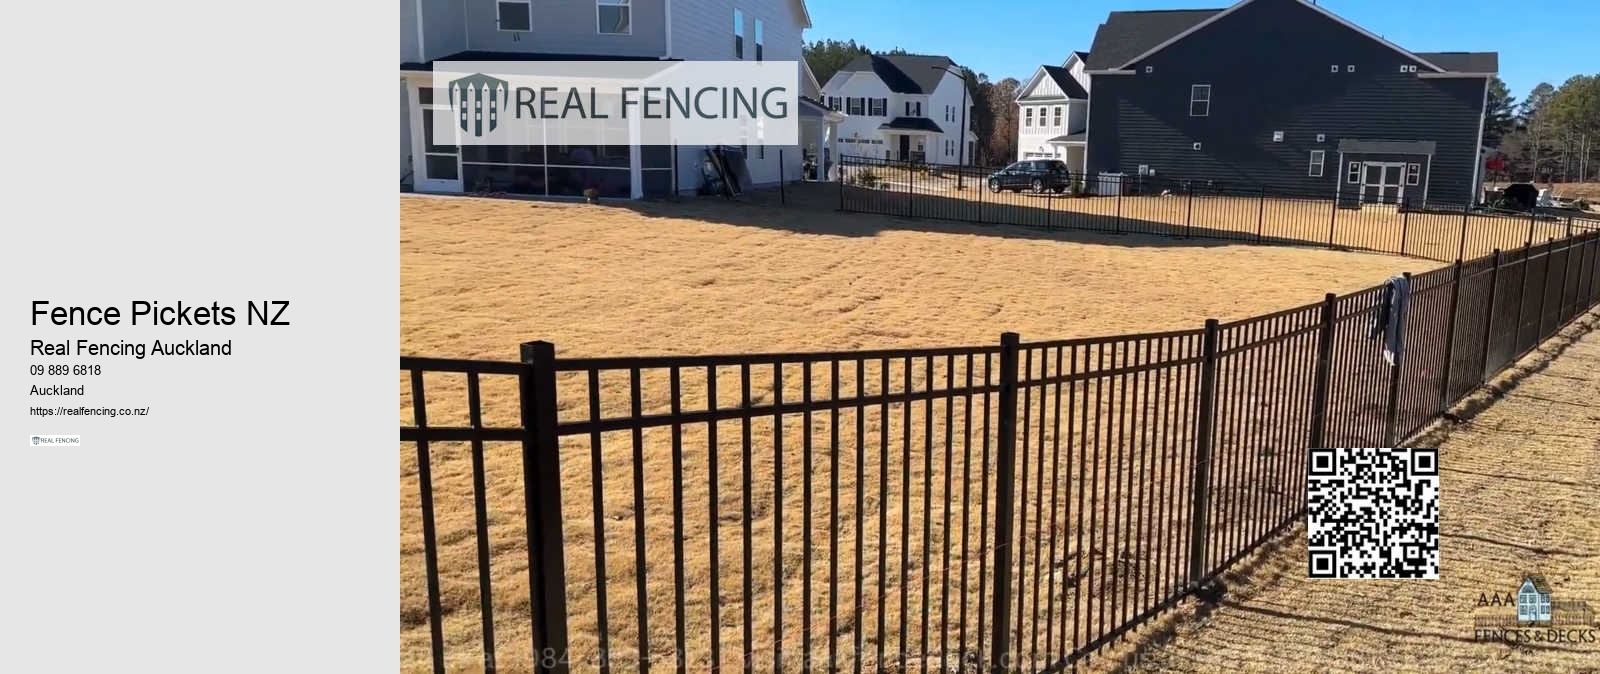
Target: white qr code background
x,y
1373,513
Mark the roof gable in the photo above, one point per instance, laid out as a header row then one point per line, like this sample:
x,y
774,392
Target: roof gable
x,y
903,73
1061,77
1243,3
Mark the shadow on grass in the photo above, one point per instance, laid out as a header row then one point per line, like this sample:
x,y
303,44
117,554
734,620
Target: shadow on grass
x,y
814,208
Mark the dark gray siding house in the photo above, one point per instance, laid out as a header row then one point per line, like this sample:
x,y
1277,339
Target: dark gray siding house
x,y
1284,94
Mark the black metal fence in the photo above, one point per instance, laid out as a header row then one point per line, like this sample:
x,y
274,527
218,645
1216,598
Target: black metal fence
x,y
1010,507
1389,221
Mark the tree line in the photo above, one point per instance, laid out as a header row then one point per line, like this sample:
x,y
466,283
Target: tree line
x,y
1553,135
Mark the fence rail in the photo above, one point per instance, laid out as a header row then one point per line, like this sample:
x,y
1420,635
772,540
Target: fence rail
x,y
1401,222
1006,507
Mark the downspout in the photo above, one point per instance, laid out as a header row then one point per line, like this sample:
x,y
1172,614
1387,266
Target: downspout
x,y
668,4
422,51
1477,150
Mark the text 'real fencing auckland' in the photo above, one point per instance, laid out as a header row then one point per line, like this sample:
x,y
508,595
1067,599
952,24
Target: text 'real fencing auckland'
x,y
617,102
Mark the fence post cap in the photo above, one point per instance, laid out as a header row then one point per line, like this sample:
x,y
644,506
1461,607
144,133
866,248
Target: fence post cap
x,y
1007,338
532,351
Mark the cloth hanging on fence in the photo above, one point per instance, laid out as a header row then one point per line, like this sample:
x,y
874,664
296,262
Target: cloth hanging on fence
x,y
1390,320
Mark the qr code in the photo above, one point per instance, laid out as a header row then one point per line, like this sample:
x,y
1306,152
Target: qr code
x,y
1373,513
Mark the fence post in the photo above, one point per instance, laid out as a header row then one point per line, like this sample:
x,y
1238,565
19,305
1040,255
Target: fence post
x,y
841,182
1391,414
1488,321
1049,210
1450,338
1461,250
541,490
1200,479
1405,223
1522,292
1333,218
1117,223
1324,373
1544,289
1005,506
911,184
1261,212
1188,216
1569,226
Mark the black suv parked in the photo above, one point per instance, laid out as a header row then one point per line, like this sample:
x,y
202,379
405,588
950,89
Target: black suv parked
x,y
1034,174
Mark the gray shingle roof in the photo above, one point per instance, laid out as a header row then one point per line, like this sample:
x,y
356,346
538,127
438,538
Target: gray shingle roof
x,y
1063,78
1126,35
903,73
1464,61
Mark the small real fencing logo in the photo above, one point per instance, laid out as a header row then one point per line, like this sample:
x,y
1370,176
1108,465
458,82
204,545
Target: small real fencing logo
x,y
1533,614
477,101
35,440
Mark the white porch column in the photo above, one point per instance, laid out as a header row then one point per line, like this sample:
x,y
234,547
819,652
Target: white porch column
x,y
833,151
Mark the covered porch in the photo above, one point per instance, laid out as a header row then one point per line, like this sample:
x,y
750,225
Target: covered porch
x,y
819,141
907,138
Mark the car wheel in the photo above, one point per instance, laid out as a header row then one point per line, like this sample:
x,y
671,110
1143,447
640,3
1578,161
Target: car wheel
x,y
994,185
1038,186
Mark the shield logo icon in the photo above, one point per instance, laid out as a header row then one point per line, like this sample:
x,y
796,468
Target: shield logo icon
x,y
478,100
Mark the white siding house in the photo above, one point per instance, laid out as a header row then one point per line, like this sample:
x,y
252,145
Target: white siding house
x,y
576,30
902,106
1053,114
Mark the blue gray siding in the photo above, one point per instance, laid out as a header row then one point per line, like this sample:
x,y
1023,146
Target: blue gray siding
x,y
1268,65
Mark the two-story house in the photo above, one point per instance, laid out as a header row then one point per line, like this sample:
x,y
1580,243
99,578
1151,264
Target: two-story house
x,y
1286,94
1053,113
902,106
583,30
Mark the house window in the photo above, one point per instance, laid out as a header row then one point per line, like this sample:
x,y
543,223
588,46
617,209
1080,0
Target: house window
x,y
1057,117
738,34
761,40
1200,100
1317,157
1413,174
1027,117
878,107
917,109
615,17
833,103
1277,136
857,105
514,16
1353,176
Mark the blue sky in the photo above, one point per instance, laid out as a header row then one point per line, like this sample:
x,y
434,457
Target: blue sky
x,y
1011,39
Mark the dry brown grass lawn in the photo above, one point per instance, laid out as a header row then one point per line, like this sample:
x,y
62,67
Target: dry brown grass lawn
x,y
480,276
1518,495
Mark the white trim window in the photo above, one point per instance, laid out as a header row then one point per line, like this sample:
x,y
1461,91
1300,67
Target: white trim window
x,y
1200,100
1027,116
613,17
1353,175
878,107
515,16
761,40
1413,175
1056,120
857,105
1317,159
738,34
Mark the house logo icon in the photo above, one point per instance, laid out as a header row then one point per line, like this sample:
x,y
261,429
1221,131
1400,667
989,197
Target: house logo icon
x,y
478,100
35,439
1533,600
